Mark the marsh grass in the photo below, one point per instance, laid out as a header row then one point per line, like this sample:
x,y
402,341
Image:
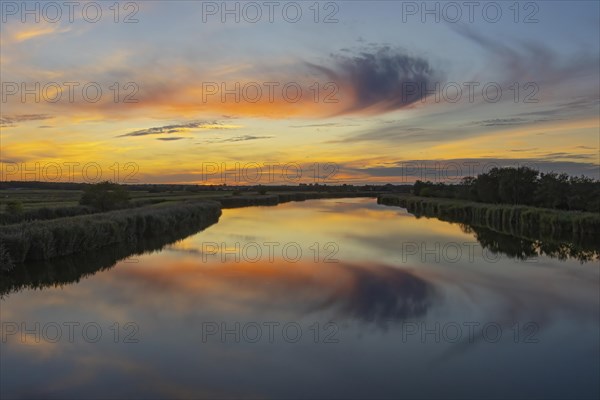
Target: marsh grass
x,y
517,220
61,271
49,233
43,240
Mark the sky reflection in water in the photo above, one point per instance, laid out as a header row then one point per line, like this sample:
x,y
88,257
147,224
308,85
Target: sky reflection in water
x,y
375,305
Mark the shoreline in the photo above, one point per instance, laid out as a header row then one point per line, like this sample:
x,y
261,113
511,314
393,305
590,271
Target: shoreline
x,y
42,240
522,221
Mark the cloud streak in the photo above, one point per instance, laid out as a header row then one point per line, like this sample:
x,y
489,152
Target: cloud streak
x,y
12,121
169,129
235,139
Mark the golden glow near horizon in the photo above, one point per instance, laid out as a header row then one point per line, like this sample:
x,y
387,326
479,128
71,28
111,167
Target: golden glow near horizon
x,y
205,93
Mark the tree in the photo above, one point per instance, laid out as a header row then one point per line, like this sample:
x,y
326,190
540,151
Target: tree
x,y
584,194
486,186
468,190
552,191
418,186
517,185
105,196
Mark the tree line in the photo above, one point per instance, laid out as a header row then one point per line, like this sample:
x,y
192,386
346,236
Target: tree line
x,y
520,186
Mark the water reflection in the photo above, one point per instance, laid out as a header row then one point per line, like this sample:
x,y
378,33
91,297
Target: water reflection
x,y
524,248
66,270
370,292
70,269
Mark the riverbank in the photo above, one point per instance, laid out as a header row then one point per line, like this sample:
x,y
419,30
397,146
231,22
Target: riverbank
x,y
47,239
515,220
43,240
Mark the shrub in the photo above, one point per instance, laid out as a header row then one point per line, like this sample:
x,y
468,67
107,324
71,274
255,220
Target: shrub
x,y
105,196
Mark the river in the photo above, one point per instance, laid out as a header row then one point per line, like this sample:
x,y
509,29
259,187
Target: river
x,y
338,298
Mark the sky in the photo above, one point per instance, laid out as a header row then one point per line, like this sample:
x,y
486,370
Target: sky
x,y
297,92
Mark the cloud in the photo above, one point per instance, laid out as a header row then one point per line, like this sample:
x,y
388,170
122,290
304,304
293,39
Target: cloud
x,y
381,80
323,125
562,154
503,122
526,61
393,133
452,170
41,29
243,138
169,139
168,129
12,121
370,80
579,105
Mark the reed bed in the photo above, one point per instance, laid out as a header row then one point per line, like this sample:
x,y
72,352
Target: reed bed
x,y
43,240
518,220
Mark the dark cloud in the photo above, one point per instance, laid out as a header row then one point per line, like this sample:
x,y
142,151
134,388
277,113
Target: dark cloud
x,y
243,138
168,129
569,155
323,125
392,133
503,122
169,139
10,121
381,79
453,170
578,105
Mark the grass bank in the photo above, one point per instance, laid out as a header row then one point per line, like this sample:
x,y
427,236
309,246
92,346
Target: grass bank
x,y
43,240
515,220
61,271
57,232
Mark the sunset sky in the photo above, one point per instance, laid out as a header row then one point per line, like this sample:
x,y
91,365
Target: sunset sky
x,y
366,72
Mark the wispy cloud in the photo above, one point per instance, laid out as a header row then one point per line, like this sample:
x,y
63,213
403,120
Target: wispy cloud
x,y
170,139
522,61
243,138
37,31
502,122
10,121
175,128
456,169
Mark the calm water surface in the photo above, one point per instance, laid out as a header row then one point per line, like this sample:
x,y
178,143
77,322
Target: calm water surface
x,y
325,298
